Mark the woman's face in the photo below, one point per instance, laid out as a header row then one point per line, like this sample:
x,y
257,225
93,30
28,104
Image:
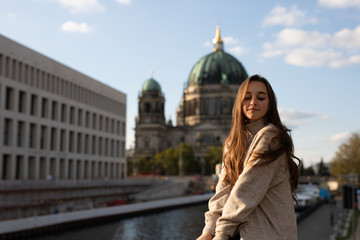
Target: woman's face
x,y
256,101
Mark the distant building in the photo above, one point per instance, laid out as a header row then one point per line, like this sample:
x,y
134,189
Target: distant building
x,y
56,123
203,117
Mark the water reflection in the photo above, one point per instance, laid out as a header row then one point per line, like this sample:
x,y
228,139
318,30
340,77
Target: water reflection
x,y
178,224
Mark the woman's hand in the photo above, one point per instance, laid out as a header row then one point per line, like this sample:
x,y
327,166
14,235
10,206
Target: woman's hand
x,y
205,236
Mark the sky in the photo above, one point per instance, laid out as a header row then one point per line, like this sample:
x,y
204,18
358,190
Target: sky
x,y
309,50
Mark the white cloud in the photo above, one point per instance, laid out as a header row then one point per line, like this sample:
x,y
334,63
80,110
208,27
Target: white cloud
x,y
296,118
83,6
339,3
340,137
306,57
10,15
71,26
280,15
126,2
230,40
315,49
347,38
237,50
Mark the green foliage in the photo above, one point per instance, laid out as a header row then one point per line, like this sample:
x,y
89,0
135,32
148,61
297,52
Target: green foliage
x,y
347,158
190,165
167,161
129,166
213,157
144,165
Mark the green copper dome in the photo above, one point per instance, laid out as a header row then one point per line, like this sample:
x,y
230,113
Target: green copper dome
x,y
151,85
217,68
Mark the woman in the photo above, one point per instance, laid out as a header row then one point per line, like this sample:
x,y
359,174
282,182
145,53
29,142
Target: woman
x,y
255,193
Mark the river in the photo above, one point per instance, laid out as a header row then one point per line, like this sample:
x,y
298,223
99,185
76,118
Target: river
x,y
178,224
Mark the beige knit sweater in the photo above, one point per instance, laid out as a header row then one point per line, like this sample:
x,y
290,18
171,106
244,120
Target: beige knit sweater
x,y
260,205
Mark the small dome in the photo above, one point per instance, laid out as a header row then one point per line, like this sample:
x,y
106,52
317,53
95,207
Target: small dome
x,y
217,68
151,85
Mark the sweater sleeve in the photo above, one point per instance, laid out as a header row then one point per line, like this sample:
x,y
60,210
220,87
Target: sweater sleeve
x,y
248,191
216,204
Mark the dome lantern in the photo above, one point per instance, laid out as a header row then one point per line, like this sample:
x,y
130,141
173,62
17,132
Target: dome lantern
x,y
217,67
217,41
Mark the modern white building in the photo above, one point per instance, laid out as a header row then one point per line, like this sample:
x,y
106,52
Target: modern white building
x,y
57,123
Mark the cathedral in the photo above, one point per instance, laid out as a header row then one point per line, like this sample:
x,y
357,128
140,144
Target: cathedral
x,y
203,117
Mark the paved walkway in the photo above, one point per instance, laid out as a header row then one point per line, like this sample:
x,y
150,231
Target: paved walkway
x,y
318,226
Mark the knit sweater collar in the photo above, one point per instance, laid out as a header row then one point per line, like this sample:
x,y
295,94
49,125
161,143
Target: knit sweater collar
x,y
254,127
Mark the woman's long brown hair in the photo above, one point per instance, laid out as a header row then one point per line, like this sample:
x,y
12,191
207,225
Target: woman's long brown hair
x,y
235,143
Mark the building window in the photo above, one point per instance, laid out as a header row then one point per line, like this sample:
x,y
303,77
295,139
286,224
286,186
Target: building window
x,y
71,169
52,168
9,98
26,74
112,148
33,104
117,148
79,142
32,136
123,149
100,123
42,168
93,145
62,140
20,72
94,121
118,127
123,129
19,168
71,141
106,124
44,108
63,112
20,134
87,119
31,168
80,117
106,147
72,115
62,169
113,126
87,141
100,146
6,164
53,138
54,110
78,169
7,132
43,137
22,102
7,67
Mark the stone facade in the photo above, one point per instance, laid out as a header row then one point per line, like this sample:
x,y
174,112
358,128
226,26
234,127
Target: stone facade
x,y
56,123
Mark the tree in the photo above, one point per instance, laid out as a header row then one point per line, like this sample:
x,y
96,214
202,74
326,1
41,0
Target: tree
x,y
347,158
144,165
302,168
166,162
322,169
190,165
213,157
129,165
309,171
